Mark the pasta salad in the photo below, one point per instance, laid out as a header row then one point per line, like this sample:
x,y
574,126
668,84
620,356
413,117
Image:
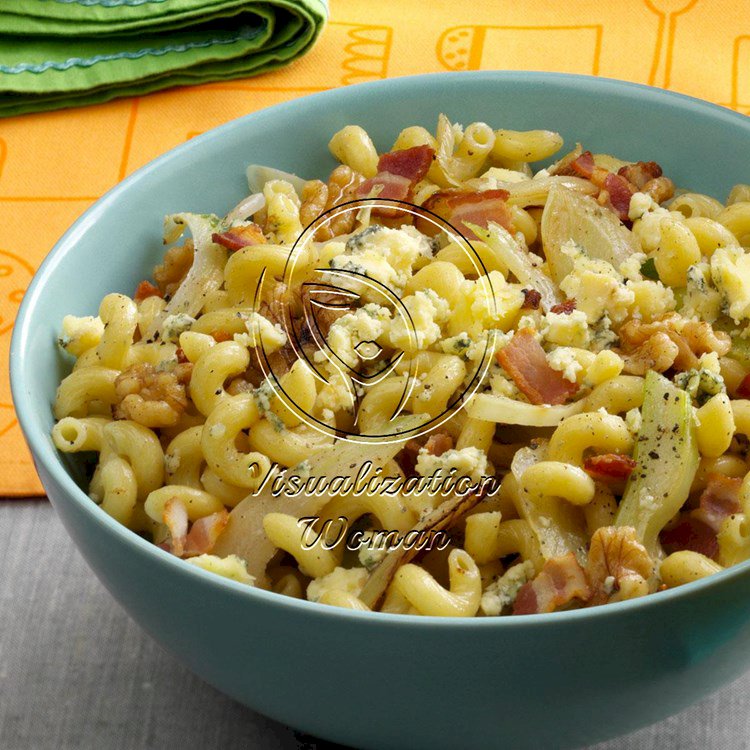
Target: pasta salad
x,y
440,382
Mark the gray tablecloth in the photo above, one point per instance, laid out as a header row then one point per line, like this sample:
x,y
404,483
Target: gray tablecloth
x,y
76,672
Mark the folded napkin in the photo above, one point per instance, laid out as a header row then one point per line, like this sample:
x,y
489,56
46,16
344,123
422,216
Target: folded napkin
x,y
63,53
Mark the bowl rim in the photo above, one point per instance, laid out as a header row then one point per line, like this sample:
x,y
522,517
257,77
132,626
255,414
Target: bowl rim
x,y
44,453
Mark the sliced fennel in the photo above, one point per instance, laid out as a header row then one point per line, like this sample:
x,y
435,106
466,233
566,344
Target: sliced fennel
x,y
503,410
568,215
523,264
206,274
666,456
558,526
258,176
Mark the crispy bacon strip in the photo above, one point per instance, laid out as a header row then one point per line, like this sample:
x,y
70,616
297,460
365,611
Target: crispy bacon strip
x,y
459,207
617,188
696,531
609,466
412,163
640,173
718,501
564,308
583,165
526,363
560,581
438,443
619,192
531,299
392,187
407,457
238,237
690,534
146,289
398,173
743,389
204,532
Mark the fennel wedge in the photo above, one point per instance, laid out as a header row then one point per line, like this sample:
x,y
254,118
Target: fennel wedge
x,y
666,456
568,215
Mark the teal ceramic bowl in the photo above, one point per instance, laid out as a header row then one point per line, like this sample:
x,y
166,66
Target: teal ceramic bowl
x,y
369,680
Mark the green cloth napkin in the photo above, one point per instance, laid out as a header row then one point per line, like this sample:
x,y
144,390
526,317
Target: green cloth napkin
x,y
65,53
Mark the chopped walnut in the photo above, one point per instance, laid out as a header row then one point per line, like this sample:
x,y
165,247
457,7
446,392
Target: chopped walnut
x,y
342,186
151,397
170,273
314,201
660,189
656,353
619,567
702,338
642,342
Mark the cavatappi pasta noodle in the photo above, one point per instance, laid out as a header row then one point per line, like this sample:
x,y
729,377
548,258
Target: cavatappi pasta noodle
x,y
531,393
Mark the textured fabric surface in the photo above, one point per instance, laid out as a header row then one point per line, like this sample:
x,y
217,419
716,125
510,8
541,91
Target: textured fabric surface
x,y
698,47
74,52
77,674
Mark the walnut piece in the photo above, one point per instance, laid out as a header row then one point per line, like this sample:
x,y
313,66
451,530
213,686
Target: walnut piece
x,y
342,186
314,201
656,353
660,189
647,345
151,397
619,567
170,273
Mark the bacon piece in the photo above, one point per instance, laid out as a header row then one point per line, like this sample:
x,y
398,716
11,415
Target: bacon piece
x,y
690,534
146,289
407,457
560,581
743,389
525,361
531,299
175,517
619,192
438,443
564,308
584,165
640,173
219,336
609,466
238,237
458,207
696,531
718,501
204,532
393,187
618,565
412,163
180,354
398,173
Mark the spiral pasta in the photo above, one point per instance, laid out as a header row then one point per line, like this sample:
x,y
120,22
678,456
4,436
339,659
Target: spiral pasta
x,y
475,388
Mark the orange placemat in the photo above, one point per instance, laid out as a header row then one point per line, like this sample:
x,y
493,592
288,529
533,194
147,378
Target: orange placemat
x,y
698,47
